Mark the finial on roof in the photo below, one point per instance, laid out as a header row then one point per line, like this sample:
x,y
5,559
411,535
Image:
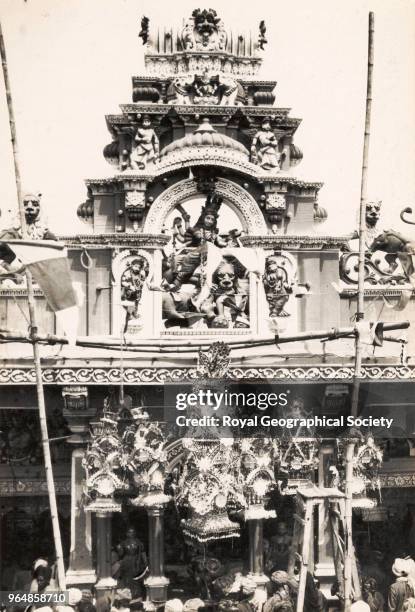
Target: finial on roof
x,y
144,32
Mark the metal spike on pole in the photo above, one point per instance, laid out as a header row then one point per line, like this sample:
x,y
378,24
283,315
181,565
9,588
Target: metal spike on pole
x,y
359,317
33,335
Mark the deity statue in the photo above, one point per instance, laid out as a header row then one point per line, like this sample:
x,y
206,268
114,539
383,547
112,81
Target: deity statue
x,y
195,238
207,89
132,284
189,296
264,148
227,300
204,31
36,229
277,288
10,268
146,146
279,548
132,563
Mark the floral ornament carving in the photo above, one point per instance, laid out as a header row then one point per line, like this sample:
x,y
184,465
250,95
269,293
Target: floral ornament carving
x,y
215,362
104,462
133,461
208,488
258,459
367,461
144,442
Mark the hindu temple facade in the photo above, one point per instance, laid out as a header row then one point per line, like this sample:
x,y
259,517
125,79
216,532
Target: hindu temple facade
x,y
201,234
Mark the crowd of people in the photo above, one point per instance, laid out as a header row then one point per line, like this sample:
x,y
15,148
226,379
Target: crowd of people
x,y
234,592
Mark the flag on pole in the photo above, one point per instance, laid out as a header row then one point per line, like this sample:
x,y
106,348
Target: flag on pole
x,y
48,262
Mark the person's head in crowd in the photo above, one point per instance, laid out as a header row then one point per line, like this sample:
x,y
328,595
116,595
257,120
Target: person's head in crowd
x,y
74,598
87,595
409,605
122,599
400,568
193,605
360,606
369,585
42,574
86,606
173,605
248,586
136,605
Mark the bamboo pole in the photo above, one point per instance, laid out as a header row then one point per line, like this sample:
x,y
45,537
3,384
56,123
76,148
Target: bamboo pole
x,y
359,317
154,346
33,332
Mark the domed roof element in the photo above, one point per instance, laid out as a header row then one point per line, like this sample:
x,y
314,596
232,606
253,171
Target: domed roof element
x,y
205,136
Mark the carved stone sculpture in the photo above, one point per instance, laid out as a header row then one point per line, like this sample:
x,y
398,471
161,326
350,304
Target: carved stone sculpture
x,y
145,148
277,287
204,31
36,229
183,268
264,148
398,249
10,269
132,563
132,284
227,301
204,89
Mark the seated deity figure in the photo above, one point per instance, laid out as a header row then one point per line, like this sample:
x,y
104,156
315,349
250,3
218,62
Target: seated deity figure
x,y
264,148
145,147
228,298
132,563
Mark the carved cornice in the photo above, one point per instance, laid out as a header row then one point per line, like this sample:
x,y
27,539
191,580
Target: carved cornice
x,y
294,242
18,292
206,155
23,487
278,115
133,241
158,375
119,183
370,292
398,480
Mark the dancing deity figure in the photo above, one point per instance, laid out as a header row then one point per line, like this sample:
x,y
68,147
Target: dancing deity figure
x,y
132,284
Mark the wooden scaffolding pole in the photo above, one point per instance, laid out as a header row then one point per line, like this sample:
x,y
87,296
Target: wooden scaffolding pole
x,y
33,333
359,317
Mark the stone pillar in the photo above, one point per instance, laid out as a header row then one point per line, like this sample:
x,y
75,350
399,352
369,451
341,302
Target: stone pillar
x,y
324,570
80,572
256,552
77,414
104,544
156,583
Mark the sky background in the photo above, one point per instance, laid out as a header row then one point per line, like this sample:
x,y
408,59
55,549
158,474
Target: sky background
x,y
71,62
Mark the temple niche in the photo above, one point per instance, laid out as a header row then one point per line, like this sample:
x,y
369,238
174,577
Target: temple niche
x,y
206,284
